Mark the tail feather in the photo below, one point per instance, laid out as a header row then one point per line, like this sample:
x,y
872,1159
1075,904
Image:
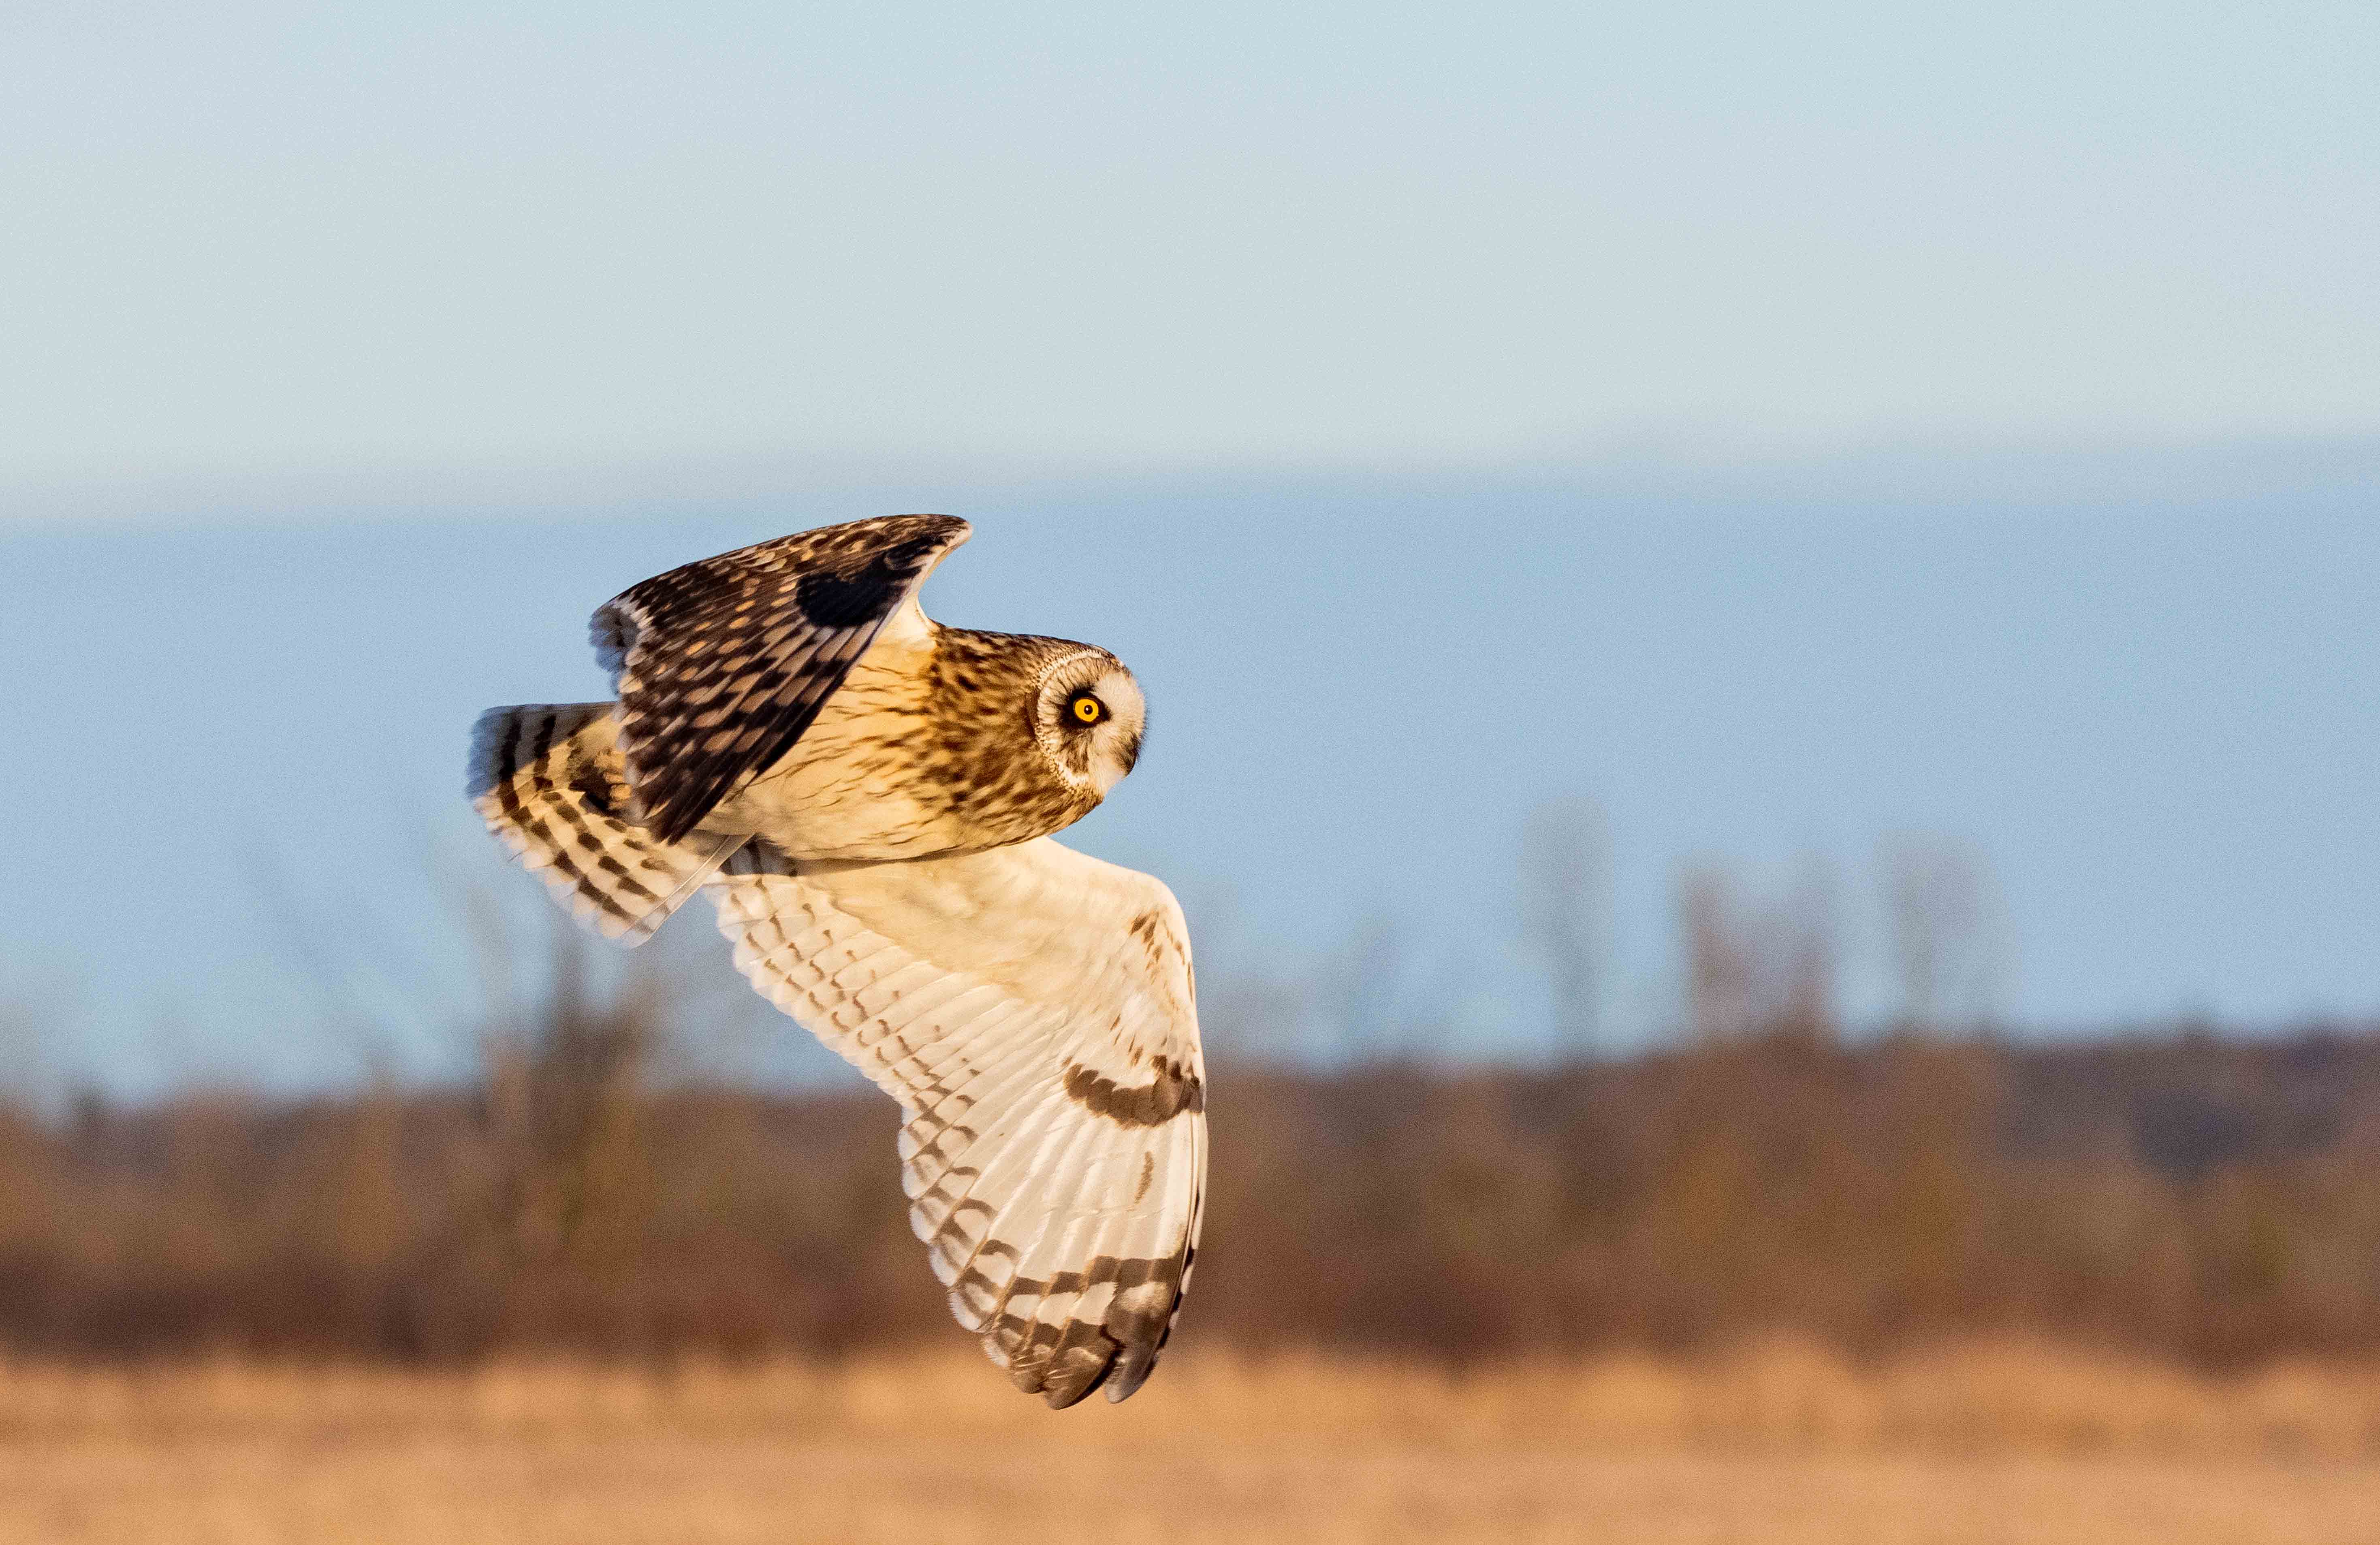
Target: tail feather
x,y
548,779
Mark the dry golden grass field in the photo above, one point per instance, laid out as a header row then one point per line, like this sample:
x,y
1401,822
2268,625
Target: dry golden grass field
x,y
1774,1445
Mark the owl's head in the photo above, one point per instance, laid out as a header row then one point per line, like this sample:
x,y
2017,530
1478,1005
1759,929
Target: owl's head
x,y
1087,719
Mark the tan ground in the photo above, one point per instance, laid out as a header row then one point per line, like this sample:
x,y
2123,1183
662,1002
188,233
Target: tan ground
x,y
2006,1445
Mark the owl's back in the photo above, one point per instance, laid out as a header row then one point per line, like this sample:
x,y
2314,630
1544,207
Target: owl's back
x,y
927,748
858,785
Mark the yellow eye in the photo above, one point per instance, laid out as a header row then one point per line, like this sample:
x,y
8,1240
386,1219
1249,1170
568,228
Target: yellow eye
x,y
1087,709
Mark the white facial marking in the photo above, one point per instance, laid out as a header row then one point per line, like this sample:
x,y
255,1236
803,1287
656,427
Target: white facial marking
x,y
1088,717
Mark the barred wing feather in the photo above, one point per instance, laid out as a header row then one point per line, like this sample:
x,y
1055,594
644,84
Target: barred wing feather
x,y
1032,1009
722,663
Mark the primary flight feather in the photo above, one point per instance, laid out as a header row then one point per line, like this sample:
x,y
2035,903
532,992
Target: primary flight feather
x,y
868,797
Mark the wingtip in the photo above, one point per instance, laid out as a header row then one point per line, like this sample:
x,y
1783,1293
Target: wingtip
x,y
480,771
957,527
1070,1385
1127,1378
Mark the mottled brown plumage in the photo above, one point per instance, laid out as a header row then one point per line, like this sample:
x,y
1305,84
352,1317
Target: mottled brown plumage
x,y
722,665
982,751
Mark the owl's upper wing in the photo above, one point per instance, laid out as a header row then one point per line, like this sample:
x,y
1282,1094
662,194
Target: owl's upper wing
x,y
1032,1009
720,665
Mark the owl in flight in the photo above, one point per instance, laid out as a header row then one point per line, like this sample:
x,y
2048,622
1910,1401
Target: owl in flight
x,y
868,796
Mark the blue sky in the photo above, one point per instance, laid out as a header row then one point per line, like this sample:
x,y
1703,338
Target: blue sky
x,y
366,243
1787,427
239,748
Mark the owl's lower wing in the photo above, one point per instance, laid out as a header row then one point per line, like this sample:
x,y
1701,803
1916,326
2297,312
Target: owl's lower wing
x,y
721,664
1032,1009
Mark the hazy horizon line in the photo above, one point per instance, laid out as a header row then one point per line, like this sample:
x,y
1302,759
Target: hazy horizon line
x,y
1944,471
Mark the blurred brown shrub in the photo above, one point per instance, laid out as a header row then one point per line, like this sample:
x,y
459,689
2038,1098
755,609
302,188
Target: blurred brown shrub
x,y
2209,1200
2215,1202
